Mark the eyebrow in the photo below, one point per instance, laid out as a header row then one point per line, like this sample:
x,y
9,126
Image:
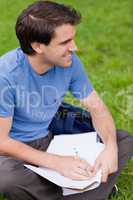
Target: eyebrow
x,y
65,41
68,40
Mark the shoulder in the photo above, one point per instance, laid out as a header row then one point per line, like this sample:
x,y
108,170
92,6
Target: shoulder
x,y
11,62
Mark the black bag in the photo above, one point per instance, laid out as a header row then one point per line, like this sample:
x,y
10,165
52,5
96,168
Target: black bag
x,y
71,119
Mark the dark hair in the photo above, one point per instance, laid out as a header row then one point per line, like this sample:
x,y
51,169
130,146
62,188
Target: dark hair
x,y
37,23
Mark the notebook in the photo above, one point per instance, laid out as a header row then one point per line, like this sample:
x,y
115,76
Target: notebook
x,y
87,147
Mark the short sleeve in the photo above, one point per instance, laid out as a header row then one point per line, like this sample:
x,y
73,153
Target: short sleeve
x,y
6,98
80,85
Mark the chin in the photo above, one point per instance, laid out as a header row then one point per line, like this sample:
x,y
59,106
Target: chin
x,y
67,64
64,64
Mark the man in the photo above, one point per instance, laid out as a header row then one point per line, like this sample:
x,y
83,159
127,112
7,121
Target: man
x,y
33,82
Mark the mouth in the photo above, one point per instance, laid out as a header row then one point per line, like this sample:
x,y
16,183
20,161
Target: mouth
x,y
68,57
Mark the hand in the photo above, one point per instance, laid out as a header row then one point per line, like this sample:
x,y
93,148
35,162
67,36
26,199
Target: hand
x,y
107,161
74,167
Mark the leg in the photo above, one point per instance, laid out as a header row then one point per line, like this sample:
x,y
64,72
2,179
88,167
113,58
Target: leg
x,y
125,145
19,183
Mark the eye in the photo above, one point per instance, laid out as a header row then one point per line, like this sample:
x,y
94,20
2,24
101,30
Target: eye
x,y
65,42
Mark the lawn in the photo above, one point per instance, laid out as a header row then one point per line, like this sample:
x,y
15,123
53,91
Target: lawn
x,y
105,42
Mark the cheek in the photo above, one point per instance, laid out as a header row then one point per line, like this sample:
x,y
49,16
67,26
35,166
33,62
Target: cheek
x,y
63,48
61,52
58,51
64,51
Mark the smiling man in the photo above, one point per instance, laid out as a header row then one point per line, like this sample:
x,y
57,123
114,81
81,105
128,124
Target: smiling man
x,y
33,82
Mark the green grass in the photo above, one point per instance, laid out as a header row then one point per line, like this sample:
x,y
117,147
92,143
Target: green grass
x,y
106,47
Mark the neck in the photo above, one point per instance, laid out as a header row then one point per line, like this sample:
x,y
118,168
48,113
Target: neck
x,y
38,64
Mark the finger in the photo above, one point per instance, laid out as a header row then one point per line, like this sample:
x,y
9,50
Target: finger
x,y
77,176
85,165
105,174
77,159
90,168
87,168
83,172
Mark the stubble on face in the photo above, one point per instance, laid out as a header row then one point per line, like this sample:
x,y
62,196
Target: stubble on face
x,y
61,47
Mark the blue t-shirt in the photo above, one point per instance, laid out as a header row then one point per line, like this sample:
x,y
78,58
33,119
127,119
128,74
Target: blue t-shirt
x,y
32,99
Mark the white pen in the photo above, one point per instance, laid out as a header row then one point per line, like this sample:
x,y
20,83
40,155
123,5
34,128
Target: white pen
x,y
76,151
77,155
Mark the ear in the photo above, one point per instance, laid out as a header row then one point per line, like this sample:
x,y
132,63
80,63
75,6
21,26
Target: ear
x,y
37,47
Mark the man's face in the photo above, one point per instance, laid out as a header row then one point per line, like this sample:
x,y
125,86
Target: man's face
x,y
59,51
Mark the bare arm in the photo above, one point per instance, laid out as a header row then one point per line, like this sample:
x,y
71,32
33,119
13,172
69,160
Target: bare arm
x,y
66,165
104,125
20,150
102,119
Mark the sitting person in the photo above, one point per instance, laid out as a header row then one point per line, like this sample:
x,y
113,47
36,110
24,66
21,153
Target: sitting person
x,y
33,82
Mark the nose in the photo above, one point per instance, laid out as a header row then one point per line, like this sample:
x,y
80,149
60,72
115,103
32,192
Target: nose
x,y
73,46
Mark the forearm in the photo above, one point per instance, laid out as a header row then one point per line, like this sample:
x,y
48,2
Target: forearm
x,y
66,165
105,126
24,152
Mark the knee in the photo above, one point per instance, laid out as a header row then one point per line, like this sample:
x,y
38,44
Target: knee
x,y
125,145
7,182
129,145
